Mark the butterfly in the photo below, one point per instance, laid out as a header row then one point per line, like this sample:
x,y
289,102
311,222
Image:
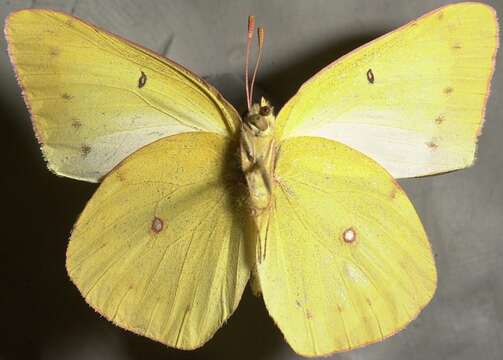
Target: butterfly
x,y
195,200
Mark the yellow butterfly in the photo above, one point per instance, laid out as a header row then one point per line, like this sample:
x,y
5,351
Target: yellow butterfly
x,y
195,199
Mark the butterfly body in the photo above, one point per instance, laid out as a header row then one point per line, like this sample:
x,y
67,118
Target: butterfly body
x,y
259,150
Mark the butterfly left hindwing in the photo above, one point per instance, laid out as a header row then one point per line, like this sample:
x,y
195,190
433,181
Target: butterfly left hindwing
x,y
160,247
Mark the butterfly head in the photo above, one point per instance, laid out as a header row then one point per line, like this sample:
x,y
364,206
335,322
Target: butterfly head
x,y
260,118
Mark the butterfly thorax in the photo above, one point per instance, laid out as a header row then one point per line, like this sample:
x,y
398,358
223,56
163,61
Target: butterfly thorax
x,y
258,154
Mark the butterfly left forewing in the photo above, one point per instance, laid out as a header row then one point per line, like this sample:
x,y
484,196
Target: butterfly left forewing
x,y
160,247
96,98
347,262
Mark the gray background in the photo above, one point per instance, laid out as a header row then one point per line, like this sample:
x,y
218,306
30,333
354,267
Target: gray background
x,y
45,317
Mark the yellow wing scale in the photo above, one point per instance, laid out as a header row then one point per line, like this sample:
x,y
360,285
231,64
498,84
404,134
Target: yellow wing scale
x,y
413,100
96,98
160,248
325,293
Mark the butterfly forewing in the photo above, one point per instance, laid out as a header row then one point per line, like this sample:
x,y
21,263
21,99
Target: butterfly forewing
x,y
95,98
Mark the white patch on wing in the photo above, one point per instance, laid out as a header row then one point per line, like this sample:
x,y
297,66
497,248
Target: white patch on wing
x,y
390,146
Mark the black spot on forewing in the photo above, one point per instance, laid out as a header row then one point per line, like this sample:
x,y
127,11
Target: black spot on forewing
x,y
142,80
76,124
432,145
370,76
85,150
67,96
440,119
448,90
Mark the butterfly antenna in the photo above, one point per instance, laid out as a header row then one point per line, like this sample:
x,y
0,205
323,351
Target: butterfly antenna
x,y
261,35
251,26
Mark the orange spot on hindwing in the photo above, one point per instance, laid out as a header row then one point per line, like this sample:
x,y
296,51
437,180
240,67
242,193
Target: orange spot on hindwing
x,y
349,235
157,225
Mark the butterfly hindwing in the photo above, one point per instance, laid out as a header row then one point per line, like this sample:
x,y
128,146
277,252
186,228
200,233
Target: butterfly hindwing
x,y
347,261
160,247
